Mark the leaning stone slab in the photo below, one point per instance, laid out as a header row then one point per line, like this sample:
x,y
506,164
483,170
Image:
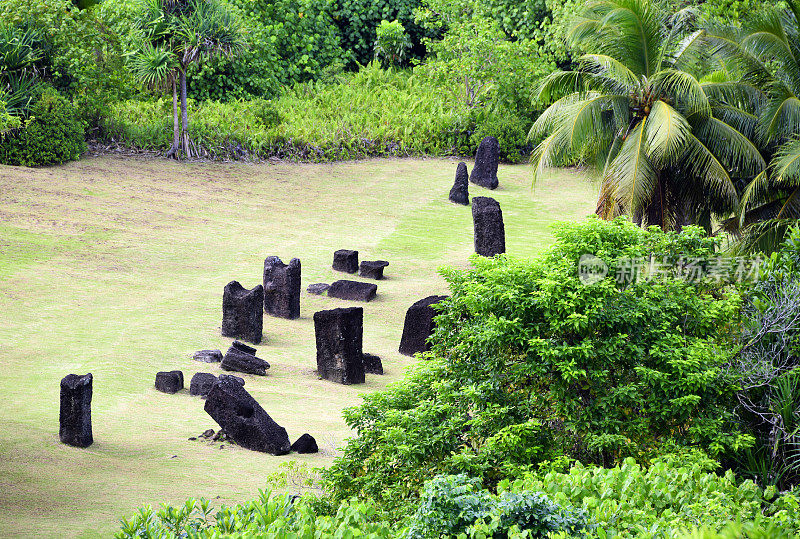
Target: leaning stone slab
x,y
339,336
318,288
345,260
243,347
372,364
201,383
208,356
75,416
419,325
243,312
282,288
236,379
484,173
305,444
244,420
240,361
490,233
372,269
353,290
459,194
169,381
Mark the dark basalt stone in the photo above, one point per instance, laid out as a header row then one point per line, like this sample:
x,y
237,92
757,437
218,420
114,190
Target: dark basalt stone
x,y
305,444
169,381
484,173
75,416
239,345
419,325
318,288
240,361
236,379
282,288
490,233
208,356
353,290
372,269
201,383
339,335
372,364
244,420
459,193
345,260
243,312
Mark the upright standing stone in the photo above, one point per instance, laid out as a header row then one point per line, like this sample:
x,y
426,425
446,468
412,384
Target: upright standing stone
x,y
243,312
419,325
244,420
485,171
372,364
305,444
339,335
345,260
372,269
282,288
459,194
75,417
169,381
490,233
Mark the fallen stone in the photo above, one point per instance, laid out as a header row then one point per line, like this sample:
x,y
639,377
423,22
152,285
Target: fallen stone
x,y
305,444
243,347
220,435
243,312
282,288
192,438
353,290
169,381
244,421
208,356
208,433
75,416
201,383
419,325
240,361
459,193
372,269
490,234
232,377
339,335
318,288
372,364
484,173
345,260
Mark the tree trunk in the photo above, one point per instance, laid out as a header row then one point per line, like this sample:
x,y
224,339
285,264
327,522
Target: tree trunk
x,y
184,117
176,128
655,209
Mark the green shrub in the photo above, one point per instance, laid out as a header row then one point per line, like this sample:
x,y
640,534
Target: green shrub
x,y
52,134
529,364
391,43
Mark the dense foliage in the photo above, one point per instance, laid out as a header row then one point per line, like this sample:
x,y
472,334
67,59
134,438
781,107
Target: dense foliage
x,y
530,364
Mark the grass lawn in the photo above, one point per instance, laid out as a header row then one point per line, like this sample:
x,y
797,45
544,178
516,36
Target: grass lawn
x,y
116,266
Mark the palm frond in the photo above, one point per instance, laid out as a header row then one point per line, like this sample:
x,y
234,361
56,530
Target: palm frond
x,y
786,163
764,236
684,91
665,131
631,174
618,77
733,148
704,165
780,117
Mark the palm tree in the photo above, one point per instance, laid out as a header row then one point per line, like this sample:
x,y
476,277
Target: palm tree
x,y
635,109
765,54
175,34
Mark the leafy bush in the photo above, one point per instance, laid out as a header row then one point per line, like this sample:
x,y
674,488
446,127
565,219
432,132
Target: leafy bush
x,y
675,493
530,364
52,134
392,43
453,505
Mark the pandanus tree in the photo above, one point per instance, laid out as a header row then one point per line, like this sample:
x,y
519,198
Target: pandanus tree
x,y
635,109
173,35
760,86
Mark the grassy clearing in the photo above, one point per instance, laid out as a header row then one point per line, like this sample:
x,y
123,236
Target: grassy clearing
x,y
116,267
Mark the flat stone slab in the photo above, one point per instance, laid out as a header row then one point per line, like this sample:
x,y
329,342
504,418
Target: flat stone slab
x,y
244,420
75,415
240,361
318,288
345,260
372,269
239,345
372,364
353,290
208,356
169,381
305,444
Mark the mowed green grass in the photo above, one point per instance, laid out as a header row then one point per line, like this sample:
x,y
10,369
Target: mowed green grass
x,y
116,266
